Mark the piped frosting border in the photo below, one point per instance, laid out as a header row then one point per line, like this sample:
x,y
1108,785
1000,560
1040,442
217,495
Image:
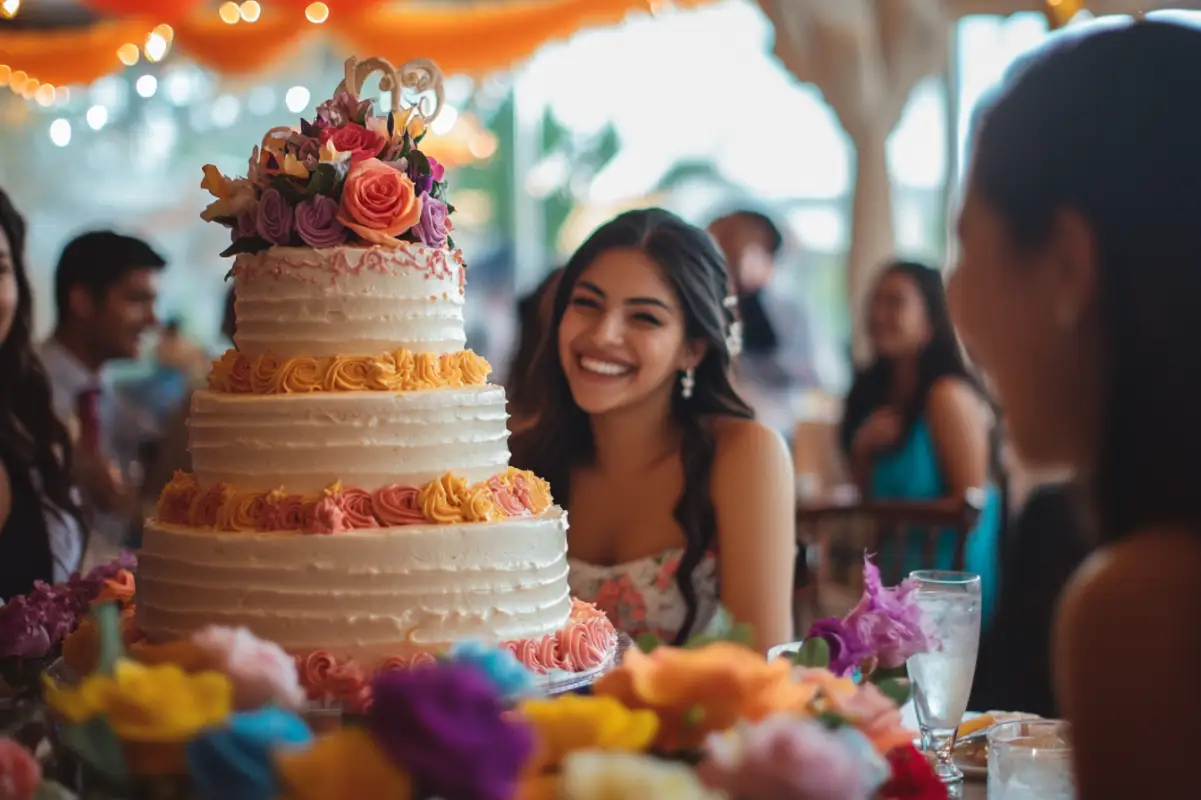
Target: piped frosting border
x,y
398,371
447,500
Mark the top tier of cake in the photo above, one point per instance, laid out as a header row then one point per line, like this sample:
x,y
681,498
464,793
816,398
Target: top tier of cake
x,y
349,301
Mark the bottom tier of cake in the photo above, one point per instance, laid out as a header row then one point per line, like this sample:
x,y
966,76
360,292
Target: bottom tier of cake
x,y
371,596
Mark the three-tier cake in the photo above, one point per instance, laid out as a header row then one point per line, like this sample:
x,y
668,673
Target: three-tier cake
x,y
351,498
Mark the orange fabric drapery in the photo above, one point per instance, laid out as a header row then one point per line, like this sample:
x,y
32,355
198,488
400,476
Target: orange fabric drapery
x,y
488,35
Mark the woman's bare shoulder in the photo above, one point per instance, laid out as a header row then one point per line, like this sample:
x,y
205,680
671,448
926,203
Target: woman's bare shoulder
x,y
747,437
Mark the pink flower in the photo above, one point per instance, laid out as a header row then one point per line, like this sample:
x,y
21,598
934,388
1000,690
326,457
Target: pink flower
x,y
378,203
784,758
889,620
362,143
20,773
261,672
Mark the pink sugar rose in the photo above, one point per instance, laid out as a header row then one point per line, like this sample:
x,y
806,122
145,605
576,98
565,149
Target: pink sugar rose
x,y
362,143
379,203
20,773
261,672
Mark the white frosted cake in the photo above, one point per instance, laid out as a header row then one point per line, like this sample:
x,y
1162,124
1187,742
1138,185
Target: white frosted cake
x,y
351,498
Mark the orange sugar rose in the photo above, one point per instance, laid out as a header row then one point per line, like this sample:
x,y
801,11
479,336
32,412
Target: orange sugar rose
x,y
697,692
379,202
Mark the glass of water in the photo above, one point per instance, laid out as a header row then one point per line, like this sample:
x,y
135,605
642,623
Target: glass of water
x,y
1030,760
942,678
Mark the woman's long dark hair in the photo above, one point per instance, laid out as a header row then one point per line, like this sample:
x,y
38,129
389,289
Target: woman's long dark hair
x,y
32,437
1108,124
562,436
940,358
523,400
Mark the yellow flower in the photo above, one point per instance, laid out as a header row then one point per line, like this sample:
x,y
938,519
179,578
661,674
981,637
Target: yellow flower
x,y
573,722
346,765
330,155
590,775
215,183
159,703
293,167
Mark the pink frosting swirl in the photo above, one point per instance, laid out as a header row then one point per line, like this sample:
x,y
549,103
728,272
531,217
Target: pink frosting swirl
x,y
357,507
504,497
397,505
207,504
328,515
283,512
521,490
422,660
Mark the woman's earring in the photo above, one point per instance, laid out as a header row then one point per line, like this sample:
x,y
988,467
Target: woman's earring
x,y
687,383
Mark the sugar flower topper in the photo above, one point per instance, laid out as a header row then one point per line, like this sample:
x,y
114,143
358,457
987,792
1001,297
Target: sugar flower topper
x,y
346,177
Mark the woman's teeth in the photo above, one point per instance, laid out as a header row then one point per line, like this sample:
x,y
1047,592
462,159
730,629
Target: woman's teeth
x,y
604,367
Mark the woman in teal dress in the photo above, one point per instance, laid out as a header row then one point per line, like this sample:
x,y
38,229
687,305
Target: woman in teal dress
x,y
916,425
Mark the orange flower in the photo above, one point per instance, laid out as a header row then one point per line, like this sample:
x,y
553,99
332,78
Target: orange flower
x,y
120,588
379,202
697,692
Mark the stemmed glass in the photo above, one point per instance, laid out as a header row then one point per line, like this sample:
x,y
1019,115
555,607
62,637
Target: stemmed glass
x,y
942,677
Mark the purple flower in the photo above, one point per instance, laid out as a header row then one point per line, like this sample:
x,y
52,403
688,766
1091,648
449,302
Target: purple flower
x,y
425,181
275,217
847,650
446,727
889,620
22,630
317,222
433,228
343,108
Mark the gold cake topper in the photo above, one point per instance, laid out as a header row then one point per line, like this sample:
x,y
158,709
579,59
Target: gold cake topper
x,y
420,77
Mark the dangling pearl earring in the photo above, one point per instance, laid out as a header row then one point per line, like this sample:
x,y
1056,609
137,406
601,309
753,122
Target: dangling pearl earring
x,y
687,383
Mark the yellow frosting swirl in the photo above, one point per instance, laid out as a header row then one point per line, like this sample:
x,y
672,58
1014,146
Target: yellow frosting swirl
x,y
399,371
348,374
540,495
478,506
241,511
299,374
441,500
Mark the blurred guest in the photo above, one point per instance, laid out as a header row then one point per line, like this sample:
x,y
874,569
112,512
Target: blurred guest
x,y
105,288
170,453
533,318
916,425
1077,289
777,355
42,536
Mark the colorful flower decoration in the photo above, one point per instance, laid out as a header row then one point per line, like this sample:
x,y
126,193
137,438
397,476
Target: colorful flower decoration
x,y
20,773
343,765
509,676
592,775
236,761
261,672
569,723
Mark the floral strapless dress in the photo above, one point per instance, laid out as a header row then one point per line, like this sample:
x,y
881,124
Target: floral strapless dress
x,y
642,596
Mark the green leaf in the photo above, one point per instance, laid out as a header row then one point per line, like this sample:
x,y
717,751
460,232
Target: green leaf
x,y
897,690
646,642
108,627
417,139
97,744
831,720
391,123
406,145
323,180
288,188
247,244
888,673
815,652
450,243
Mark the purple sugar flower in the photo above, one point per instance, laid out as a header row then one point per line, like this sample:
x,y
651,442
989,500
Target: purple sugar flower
x,y
433,227
446,727
847,650
22,630
424,182
317,222
274,221
889,620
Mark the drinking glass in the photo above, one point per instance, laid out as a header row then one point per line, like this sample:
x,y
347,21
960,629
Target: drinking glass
x,y
1030,760
942,678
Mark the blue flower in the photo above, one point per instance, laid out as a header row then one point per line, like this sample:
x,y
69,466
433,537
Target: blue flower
x,y
235,762
874,768
507,674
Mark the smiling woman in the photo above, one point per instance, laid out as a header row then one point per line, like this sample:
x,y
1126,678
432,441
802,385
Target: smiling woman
x,y
681,504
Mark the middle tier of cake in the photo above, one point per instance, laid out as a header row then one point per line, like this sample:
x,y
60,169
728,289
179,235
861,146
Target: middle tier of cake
x,y
363,594
366,440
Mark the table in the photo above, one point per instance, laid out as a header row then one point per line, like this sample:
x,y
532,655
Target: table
x,y
973,789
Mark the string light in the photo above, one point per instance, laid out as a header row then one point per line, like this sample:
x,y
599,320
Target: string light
x,y
230,13
9,8
16,80
250,11
44,95
6,74
317,13
128,53
165,31
155,47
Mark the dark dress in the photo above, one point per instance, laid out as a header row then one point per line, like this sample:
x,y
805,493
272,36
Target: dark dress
x,y
24,541
1044,546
